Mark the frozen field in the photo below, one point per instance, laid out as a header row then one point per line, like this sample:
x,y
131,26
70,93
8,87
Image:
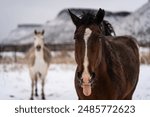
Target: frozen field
x,y
15,83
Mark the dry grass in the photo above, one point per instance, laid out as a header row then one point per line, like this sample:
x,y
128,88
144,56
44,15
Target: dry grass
x,y
145,58
63,57
10,60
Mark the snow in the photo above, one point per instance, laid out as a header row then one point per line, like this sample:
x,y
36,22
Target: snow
x,y
143,88
15,82
11,54
143,49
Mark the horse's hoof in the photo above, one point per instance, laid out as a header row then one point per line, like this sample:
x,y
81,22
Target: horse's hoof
x,y
43,97
31,98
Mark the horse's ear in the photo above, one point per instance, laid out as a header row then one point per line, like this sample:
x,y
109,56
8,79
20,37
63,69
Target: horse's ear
x,y
99,16
35,32
75,19
43,32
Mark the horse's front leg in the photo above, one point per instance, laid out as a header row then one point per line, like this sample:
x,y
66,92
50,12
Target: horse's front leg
x,y
43,94
32,89
36,89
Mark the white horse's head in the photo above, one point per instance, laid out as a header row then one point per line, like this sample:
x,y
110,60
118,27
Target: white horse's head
x,y
39,40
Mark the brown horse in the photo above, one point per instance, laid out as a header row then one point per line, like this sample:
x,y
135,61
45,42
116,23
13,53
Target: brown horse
x,y
107,66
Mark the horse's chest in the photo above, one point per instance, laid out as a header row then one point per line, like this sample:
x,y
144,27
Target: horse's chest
x,y
40,65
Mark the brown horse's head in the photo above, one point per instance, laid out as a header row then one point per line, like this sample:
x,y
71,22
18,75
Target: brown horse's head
x,y
88,50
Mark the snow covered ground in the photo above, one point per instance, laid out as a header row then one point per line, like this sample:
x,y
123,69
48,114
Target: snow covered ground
x,y
15,82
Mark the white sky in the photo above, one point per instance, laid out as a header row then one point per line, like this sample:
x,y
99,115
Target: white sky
x,y
14,12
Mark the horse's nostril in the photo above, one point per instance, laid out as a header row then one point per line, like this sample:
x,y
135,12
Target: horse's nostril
x,y
93,75
38,47
92,78
80,81
90,81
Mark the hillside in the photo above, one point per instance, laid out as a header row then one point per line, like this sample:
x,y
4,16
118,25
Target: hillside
x,y
137,24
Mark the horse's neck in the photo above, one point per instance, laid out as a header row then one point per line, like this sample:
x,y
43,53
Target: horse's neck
x,y
103,65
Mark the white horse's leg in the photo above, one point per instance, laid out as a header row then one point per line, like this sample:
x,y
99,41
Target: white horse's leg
x,y
43,84
43,76
36,87
32,88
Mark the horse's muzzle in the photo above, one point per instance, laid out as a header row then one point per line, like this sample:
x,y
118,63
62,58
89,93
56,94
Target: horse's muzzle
x,y
91,81
38,47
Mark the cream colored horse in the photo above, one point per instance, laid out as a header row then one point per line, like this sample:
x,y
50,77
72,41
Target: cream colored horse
x,y
38,59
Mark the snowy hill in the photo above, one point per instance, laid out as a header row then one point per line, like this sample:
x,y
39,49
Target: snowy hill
x,y
61,29
22,31
137,24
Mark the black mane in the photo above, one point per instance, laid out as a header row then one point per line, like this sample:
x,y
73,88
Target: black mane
x,y
108,28
88,18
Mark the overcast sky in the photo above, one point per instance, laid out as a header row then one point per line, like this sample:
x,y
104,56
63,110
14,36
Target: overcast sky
x,y
13,12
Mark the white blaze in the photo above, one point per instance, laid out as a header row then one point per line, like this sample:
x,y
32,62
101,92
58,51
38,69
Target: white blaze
x,y
86,74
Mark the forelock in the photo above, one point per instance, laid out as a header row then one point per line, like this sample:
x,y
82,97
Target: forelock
x,y
88,18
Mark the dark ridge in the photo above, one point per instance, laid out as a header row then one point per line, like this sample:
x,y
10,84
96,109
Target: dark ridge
x,y
29,25
77,11
121,13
